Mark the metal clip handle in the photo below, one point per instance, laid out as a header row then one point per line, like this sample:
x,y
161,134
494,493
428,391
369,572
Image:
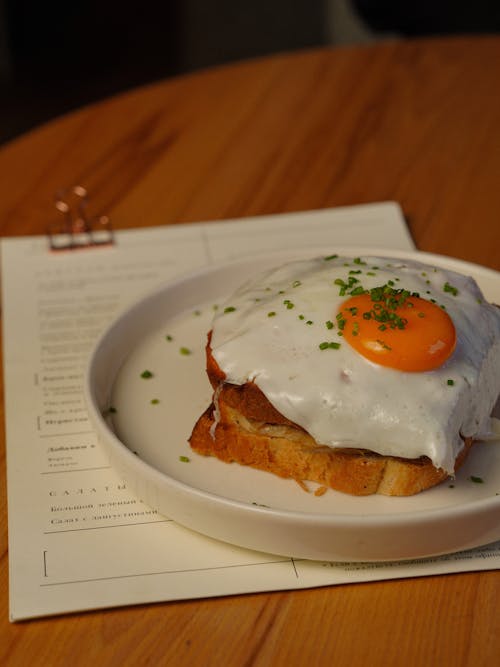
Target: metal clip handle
x,y
75,229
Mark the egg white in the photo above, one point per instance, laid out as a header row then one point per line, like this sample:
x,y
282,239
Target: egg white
x,y
270,330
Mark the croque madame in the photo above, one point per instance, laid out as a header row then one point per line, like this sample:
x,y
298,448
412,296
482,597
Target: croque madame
x,y
365,375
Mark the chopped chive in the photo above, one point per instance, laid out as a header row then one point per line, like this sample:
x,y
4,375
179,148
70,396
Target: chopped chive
x,y
185,351
296,283
184,459
229,309
326,345
329,324
154,401
272,313
146,375
340,321
450,382
169,337
327,259
450,288
476,480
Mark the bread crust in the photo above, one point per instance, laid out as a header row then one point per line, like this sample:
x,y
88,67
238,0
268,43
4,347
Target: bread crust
x,y
242,426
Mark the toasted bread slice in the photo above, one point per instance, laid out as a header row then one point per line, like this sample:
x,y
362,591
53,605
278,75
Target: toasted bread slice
x,y
288,451
242,426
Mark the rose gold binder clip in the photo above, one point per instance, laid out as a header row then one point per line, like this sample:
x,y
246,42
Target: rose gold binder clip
x,y
76,228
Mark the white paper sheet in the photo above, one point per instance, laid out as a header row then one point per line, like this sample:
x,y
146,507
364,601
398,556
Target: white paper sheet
x,y
78,539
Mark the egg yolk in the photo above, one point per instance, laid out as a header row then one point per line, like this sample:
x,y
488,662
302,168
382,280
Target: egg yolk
x,y
405,333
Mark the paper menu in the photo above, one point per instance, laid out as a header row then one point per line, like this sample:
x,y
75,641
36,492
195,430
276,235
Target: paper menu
x,y
78,539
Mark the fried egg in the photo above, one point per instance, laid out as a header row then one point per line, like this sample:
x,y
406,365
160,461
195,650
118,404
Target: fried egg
x,y
393,356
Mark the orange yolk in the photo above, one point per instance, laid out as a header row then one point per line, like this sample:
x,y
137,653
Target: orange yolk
x,y
419,336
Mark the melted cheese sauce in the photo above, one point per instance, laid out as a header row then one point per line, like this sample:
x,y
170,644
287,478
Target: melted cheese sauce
x,y
282,332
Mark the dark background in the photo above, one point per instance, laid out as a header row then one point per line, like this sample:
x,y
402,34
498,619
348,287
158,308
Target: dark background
x,y
60,54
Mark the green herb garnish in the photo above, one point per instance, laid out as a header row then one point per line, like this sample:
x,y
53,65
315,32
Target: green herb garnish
x,y
450,288
146,375
476,480
340,321
326,345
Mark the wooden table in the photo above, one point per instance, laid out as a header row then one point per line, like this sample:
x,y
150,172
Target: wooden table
x,y
416,122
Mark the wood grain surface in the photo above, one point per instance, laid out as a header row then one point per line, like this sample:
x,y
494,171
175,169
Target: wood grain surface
x,y
417,122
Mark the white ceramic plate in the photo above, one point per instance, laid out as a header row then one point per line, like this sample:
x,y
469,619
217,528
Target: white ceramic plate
x,y
146,441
